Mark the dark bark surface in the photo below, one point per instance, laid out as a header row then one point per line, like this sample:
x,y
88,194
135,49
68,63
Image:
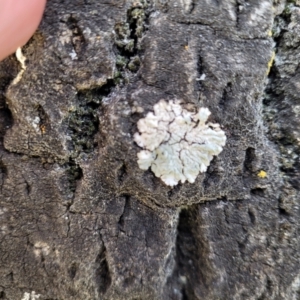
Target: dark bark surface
x,y
80,220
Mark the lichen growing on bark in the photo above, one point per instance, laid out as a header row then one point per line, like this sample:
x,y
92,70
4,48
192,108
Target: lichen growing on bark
x,y
177,143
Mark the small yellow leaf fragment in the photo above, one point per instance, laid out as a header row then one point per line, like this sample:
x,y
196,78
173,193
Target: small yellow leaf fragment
x,y
262,174
270,63
270,33
186,47
43,128
21,58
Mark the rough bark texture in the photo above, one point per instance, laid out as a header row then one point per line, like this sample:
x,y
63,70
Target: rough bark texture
x,y
80,220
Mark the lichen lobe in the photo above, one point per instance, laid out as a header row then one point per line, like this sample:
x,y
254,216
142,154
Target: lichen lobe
x,y
177,143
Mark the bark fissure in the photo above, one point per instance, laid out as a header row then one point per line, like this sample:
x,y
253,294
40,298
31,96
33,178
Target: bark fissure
x,y
126,208
78,40
83,122
226,96
8,72
102,274
275,103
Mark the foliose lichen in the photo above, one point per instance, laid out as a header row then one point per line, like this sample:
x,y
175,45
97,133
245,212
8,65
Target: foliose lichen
x,y
177,143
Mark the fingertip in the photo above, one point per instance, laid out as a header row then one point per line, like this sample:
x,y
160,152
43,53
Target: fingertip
x,y
19,20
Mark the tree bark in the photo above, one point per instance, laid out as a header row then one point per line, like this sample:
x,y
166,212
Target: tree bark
x,y
80,220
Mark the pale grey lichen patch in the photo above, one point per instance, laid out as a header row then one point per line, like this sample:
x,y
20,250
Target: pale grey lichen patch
x,y
31,296
177,143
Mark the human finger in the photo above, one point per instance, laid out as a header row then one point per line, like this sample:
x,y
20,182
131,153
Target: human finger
x,y
18,21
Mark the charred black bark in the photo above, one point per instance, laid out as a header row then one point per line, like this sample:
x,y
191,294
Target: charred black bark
x,y
80,220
